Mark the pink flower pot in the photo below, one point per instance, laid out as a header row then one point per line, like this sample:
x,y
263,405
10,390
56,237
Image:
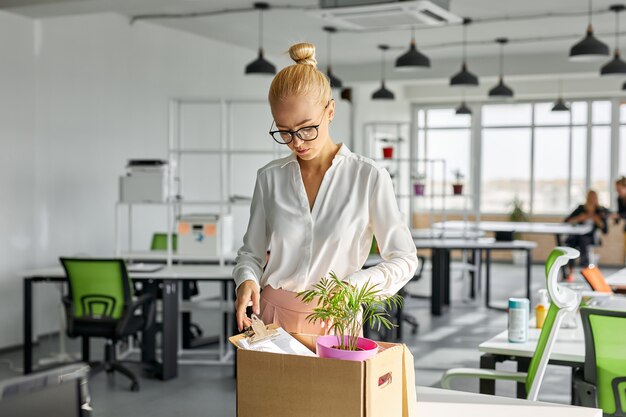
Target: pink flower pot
x,y
326,349
388,152
457,189
419,189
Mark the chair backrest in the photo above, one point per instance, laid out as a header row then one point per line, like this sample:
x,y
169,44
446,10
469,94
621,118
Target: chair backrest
x,y
99,288
563,301
605,357
595,279
159,241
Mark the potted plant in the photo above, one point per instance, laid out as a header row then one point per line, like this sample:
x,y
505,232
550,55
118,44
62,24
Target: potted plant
x,y
387,148
345,308
457,186
418,186
518,214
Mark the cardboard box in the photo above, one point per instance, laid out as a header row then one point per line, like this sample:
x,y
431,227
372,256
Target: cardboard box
x,y
275,385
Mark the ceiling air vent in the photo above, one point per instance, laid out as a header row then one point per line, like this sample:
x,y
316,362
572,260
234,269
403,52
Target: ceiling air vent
x,y
371,14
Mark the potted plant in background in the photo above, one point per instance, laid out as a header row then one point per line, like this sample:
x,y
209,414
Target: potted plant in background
x,y
418,185
345,309
457,186
518,214
387,149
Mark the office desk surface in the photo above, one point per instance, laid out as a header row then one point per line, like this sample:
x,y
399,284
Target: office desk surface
x,y
483,243
182,272
161,255
521,227
569,346
618,278
446,234
435,402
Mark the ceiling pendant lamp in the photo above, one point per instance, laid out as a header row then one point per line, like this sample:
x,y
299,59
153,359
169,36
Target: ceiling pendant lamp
x,y
589,48
383,93
615,66
501,90
261,65
334,81
412,59
559,104
464,77
463,109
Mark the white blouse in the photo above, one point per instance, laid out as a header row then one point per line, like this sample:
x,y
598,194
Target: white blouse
x,y
355,201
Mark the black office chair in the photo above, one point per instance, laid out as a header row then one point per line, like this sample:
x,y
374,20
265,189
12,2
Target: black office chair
x,y
100,304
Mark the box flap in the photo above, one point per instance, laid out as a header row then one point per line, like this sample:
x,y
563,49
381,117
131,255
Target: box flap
x,y
383,383
409,397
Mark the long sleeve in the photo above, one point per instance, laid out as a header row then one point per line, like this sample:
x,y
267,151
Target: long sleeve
x,y
394,241
251,257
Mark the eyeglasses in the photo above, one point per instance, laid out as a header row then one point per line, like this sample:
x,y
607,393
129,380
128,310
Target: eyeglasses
x,y
307,133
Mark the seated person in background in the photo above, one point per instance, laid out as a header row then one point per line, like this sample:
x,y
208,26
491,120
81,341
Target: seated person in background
x,y
620,187
589,213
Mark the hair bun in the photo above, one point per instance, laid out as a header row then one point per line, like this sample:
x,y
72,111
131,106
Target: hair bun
x,y
303,53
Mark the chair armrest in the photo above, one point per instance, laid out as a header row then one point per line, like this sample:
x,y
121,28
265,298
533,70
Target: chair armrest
x,y
451,374
129,311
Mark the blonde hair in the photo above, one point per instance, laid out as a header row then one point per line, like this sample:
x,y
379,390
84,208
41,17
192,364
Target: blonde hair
x,y
302,78
621,181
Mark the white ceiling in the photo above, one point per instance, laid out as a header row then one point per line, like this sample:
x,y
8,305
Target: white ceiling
x,y
284,27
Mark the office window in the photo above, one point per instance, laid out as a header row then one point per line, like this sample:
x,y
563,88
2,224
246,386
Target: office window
x,y
444,136
505,168
551,169
507,114
600,162
579,166
622,151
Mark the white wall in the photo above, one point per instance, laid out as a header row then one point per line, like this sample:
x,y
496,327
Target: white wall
x,y
17,175
83,95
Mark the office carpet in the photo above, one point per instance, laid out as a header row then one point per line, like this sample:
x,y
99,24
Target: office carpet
x,y
441,343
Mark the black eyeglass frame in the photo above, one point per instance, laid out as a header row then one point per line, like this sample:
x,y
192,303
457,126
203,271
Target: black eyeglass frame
x,y
297,132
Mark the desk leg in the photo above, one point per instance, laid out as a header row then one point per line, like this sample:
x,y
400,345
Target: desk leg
x,y
148,336
438,291
522,366
170,329
446,277
487,386
529,261
487,277
28,326
186,316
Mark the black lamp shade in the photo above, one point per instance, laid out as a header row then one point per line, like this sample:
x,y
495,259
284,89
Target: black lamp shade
x,y
412,59
615,66
463,109
382,93
334,81
261,66
501,90
464,78
559,105
589,48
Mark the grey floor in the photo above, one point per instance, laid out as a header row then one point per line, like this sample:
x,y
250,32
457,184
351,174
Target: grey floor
x,y
441,343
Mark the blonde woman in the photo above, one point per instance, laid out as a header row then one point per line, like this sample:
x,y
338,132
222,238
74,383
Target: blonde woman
x,y
620,187
317,209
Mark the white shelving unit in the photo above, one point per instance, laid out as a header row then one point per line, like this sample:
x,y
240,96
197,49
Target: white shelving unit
x,y
219,155
405,164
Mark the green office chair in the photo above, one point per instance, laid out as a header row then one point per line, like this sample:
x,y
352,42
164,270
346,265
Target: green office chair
x,y
159,241
602,383
100,304
564,300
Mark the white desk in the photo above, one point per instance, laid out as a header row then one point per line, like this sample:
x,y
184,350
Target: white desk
x,y
440,258
618,278
168,280
435,402
518,227
439,233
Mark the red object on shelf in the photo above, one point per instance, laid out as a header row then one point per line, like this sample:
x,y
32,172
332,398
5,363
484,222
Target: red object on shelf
x,y
388,152
419,189
457,189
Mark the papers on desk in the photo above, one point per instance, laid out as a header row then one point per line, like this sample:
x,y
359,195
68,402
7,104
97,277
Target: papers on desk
x,y
141,267
282,343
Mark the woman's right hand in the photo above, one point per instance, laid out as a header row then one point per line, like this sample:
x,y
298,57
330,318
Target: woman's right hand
x,y
248,294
